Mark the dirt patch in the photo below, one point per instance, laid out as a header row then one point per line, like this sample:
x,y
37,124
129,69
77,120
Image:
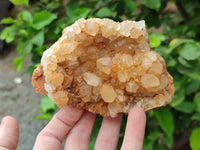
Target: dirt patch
x,y
19,101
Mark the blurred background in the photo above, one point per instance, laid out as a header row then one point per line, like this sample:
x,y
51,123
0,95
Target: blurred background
x,y
29,27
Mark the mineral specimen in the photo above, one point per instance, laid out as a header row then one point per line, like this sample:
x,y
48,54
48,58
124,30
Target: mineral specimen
x,y
105,67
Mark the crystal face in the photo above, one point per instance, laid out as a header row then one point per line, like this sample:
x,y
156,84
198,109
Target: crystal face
x,y
105,67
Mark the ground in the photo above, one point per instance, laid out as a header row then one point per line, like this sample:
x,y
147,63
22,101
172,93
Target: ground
x,y
19,101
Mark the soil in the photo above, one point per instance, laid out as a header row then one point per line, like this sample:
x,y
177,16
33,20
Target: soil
x,y
19,101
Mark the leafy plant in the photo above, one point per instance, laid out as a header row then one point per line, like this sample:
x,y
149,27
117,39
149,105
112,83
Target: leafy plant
x,y
178,23
46,109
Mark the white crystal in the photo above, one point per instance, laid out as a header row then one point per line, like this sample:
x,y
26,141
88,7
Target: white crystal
x,y
104,64
126,27
131,86
126,60
92,27
91,79
140,25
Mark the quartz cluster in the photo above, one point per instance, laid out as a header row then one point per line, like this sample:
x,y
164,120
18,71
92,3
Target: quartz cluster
x,y
105,67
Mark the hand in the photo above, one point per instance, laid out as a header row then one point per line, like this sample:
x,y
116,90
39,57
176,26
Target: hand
x,y
76,125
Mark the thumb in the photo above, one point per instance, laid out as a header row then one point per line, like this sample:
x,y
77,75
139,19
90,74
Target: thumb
x,y
9,133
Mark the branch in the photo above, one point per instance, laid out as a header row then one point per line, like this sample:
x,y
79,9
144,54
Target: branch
x,y
183,12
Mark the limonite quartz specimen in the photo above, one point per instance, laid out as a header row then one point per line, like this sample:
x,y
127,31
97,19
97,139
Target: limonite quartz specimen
x,y
105,67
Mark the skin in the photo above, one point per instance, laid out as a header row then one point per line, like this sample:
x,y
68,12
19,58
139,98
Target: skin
x,y
77,126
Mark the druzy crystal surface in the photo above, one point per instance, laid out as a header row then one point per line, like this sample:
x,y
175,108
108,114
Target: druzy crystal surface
x,y
105,67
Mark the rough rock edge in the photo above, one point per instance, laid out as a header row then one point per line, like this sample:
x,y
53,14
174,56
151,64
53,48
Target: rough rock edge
x,y
41,86
38,82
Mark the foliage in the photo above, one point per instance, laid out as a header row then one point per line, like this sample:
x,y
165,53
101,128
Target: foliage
x,y
33,31
46,109
194,139
20,2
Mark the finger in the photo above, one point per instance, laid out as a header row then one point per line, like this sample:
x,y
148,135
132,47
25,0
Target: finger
x,y
53,134
135,129
9,133
79,137
109,133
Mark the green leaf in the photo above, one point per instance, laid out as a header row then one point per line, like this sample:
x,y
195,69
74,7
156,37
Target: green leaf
x,y
184,62
171,62
186,107
75,12
71,7
18,63
178,85
95,132
78,13
8,34
192,87
158,36
154,42
193,73
194,139
29,70
25,16
36,65
178,99
147,144
47,104
197,101
156,39
122,131
40,49
196,116
104,12
162,50
42,19
132,6
154,135
24,47
165,120
24,33
190,51
54,5
38,39
153,4
8,20
43,116
158,146
91,145
81,13
177,42
168,141
20,2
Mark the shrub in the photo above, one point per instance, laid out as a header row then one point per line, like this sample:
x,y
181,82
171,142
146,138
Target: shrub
x,y
178,42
